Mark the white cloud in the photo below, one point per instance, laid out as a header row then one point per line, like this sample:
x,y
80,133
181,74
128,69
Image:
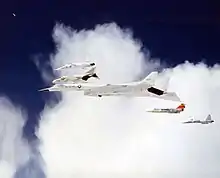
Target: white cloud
x,y
115,137
14,150
43,67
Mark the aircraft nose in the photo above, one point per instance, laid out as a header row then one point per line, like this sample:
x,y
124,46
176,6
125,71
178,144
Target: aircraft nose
x,y
55,81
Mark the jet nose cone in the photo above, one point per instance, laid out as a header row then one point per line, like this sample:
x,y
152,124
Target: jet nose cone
x,y
55,81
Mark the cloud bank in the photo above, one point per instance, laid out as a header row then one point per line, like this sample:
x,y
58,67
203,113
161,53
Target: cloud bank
x,y
14,149
113,136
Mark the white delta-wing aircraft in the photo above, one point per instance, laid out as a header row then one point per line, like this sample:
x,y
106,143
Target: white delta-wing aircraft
x,y
83,78
83,65
177,110
143,88
208,120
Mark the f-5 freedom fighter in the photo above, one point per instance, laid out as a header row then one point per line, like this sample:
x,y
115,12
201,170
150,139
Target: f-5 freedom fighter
x,y
82,65
144,88
77,78
208,120
177,110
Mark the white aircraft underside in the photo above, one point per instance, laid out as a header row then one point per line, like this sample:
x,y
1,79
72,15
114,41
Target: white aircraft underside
x,y
145,91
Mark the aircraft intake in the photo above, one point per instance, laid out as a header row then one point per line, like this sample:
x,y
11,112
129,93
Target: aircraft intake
x,y
155,91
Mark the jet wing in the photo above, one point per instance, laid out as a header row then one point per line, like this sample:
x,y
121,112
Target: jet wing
x,y
192,121
127,91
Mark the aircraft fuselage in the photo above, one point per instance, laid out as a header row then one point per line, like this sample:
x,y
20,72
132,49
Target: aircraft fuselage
x,y
198,122
135,89
171,111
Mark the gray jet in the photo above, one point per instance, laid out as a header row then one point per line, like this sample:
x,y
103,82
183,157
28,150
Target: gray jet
x,y
83,65
208,120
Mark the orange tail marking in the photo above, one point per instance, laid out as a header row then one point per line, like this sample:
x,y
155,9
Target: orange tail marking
x,y
181,106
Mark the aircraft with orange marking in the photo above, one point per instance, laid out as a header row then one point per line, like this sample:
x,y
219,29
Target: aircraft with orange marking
x,y
179,109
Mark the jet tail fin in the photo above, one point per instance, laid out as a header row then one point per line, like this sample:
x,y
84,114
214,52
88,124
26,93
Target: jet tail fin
x,y
150,78
87,76
181,106
208,118
95,75
91,71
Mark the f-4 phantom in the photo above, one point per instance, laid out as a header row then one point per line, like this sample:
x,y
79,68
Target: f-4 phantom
x,y
208,120
177,110
82,65
83,78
